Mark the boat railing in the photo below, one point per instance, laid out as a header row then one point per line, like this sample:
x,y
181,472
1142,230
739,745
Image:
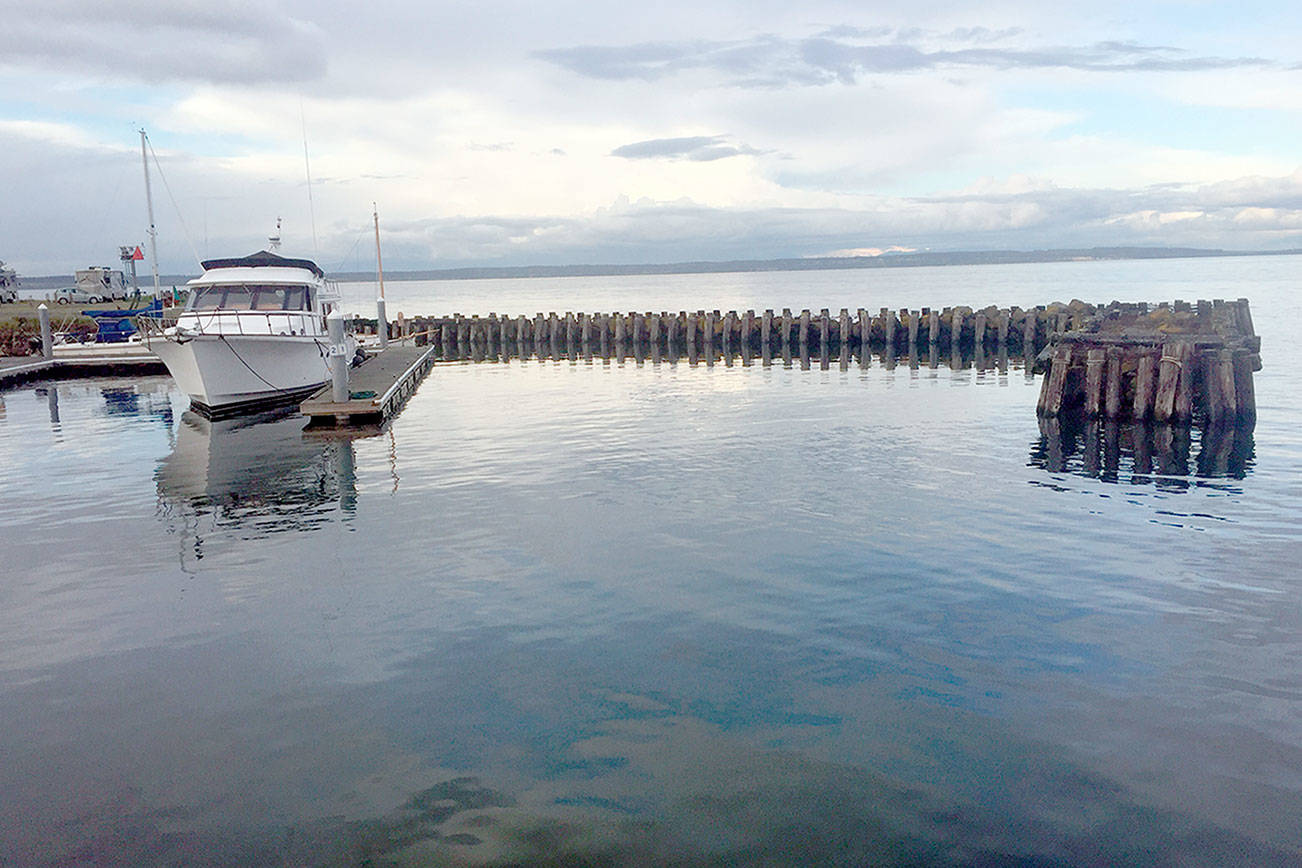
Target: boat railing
x,y
250,322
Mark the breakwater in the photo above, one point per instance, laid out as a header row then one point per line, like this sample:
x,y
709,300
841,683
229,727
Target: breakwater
x,y
1170,362
768,333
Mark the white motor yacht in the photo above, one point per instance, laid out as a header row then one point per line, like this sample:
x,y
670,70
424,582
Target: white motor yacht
x,y
252,334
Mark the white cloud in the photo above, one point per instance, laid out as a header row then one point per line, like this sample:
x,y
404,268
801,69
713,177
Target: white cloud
x,y
781,131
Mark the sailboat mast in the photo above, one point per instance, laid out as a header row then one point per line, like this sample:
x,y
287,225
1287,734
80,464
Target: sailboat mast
x,y
149,201
379,264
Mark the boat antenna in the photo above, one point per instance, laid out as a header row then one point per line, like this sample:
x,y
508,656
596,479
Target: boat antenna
x,y
379,264
149,202
307,166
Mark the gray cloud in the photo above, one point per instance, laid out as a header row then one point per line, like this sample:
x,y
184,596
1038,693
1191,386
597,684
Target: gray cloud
x,y
838,55
231,42
695,148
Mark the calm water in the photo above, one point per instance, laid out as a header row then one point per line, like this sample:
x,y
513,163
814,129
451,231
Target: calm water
x,y
661,613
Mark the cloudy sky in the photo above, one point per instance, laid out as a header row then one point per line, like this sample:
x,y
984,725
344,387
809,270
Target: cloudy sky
x,y
512,133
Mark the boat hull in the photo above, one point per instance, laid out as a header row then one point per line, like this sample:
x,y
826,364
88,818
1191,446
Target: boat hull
x,y
231,374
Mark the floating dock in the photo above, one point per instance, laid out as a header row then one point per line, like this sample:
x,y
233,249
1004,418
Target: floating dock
x,y
23,369
377,388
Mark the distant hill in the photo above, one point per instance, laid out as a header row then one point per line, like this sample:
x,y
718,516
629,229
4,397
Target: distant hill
x,y
824,263
889,260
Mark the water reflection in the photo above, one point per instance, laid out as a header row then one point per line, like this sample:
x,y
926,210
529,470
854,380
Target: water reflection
x,y
1139,453
259,474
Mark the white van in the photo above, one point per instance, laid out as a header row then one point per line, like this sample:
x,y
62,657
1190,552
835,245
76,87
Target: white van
x,y
74,295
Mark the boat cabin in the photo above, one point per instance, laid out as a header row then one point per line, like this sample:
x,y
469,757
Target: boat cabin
x,y
259,294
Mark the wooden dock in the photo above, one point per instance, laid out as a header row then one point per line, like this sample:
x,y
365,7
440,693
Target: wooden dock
x,y
378,388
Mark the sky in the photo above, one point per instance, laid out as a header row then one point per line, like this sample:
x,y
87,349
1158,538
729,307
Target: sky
x,y
561,132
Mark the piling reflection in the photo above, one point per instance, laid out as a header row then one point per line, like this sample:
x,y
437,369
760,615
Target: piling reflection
x,y
1140,453
259,474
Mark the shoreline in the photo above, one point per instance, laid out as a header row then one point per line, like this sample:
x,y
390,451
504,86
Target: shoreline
x,y
840,263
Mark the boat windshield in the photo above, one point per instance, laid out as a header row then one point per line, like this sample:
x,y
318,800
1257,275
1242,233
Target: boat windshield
x,y
249,296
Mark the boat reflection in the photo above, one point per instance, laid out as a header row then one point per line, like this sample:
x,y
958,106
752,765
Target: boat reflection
x,y
1139,453
255,474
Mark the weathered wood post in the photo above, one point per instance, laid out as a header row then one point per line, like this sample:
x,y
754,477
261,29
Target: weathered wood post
x,y
1095,359
766,329
786,328
865,333
1145,383
1051,397
914,316
1172,403
888,332
1028,336
933,327
1243,386
707,335
1112,385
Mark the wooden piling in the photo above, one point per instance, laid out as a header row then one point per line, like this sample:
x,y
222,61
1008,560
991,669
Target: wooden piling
x,y
1095,359
1051,392
1145,382
1167,405
1246,405
1112,384
933,327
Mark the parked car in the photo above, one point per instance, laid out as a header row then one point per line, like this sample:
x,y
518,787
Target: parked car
x,y
74,295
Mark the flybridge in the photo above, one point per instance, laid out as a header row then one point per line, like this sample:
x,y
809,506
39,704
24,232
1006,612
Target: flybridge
x,y
261,259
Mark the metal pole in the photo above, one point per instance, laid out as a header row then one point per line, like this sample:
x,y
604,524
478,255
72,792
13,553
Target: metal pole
x,y
338,362
382,323
47,340
382,320
149,201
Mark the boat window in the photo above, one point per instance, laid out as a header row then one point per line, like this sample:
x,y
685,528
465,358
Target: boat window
x,y
250,297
